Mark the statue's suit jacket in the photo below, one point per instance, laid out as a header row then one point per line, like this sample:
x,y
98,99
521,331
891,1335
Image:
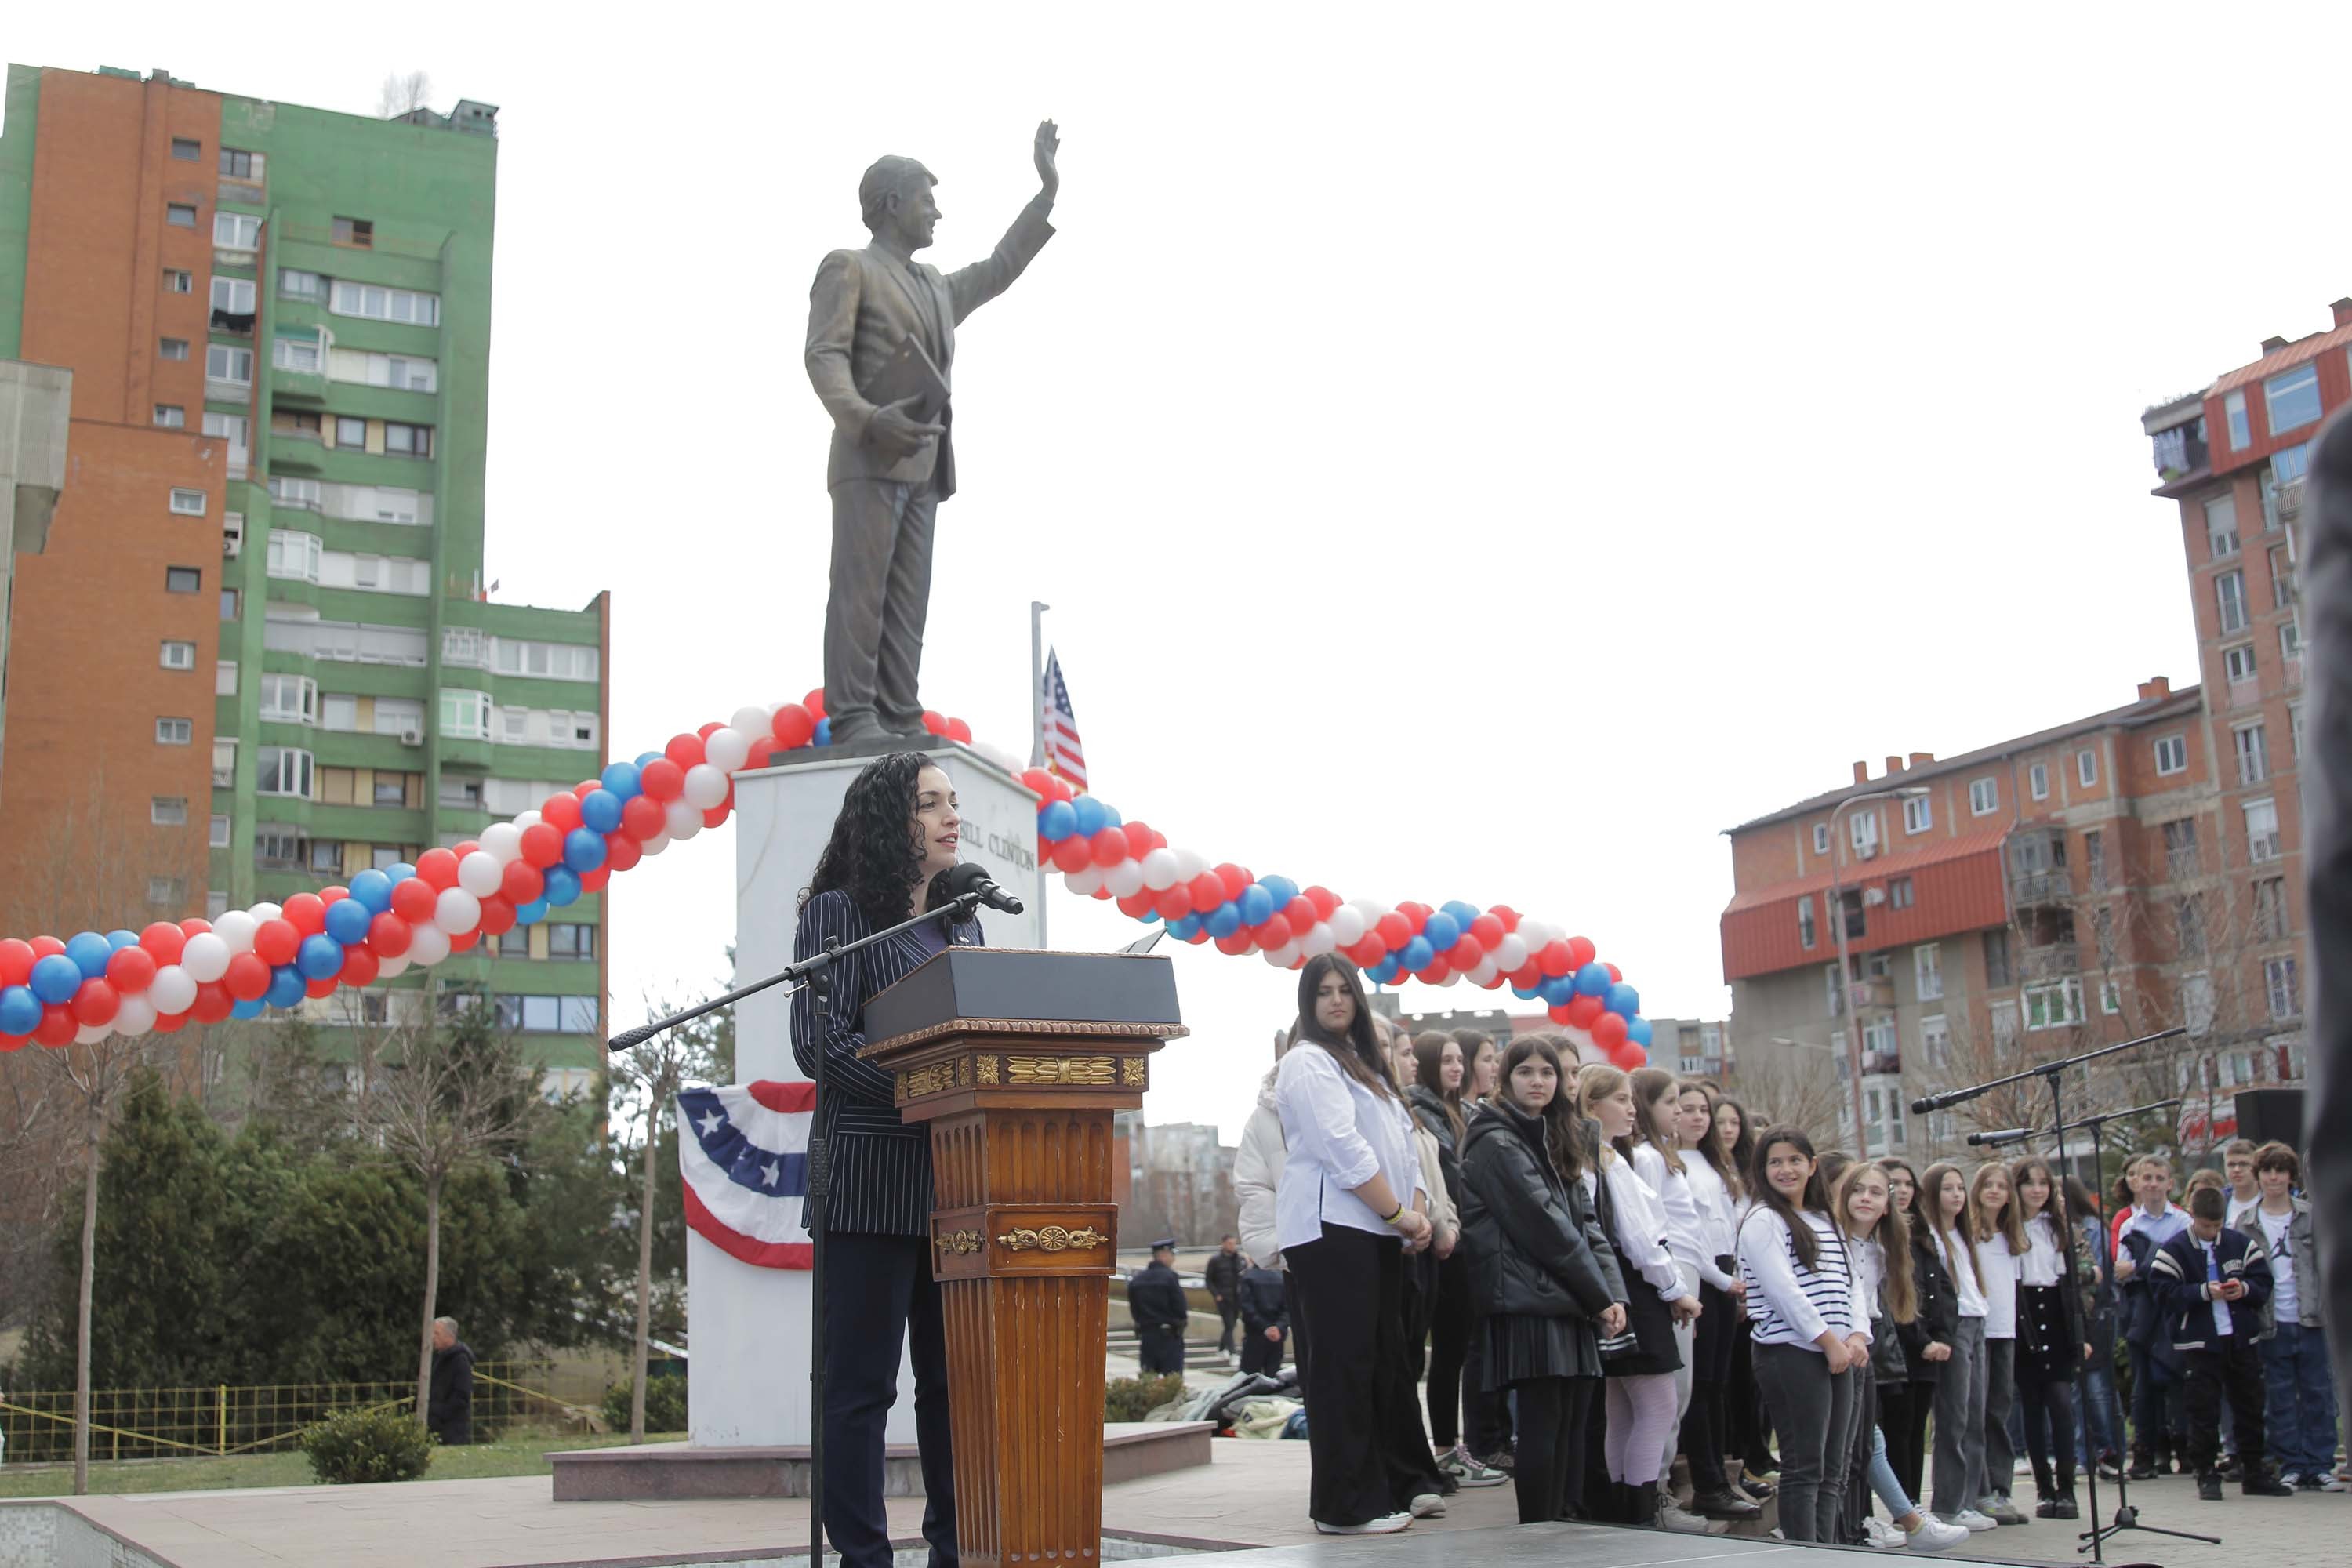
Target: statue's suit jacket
x,y
864,304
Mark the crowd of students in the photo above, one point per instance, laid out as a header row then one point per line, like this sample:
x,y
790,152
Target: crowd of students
x,y
1600,1272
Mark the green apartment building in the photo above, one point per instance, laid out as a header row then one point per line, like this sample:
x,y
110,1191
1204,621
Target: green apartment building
x,y
286,317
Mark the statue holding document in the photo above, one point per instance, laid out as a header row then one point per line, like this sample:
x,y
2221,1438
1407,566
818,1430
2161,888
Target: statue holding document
x,y
881,353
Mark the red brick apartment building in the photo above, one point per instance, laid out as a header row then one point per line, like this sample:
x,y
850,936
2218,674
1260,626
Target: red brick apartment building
x,y
2130,871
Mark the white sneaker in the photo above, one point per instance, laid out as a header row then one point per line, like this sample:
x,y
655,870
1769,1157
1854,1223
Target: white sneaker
x,y
1970,1519
1387,1524
1429,1505
1935,1535
1671,1517
2327,1484
1880,1536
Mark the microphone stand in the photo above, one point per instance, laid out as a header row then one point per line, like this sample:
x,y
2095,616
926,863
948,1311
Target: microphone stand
x,y
817,972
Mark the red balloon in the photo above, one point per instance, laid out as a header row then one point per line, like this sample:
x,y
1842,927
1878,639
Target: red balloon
x,y
1487,930
719,814
641,817
1301,913
1208,891
248,976
163,941
461,941
521,881
763,752
1615,973
1556,1012
1072,853
1109,847
360,965
413,901
307,913
1135,906
45,945
1273,934
1101,894
315,989
170,1023
934,723
1044,849
1324,899
1527,976
583,789
1394,930
792,725
621,852
131,969
1627,1054
211,1004
543,845
814,703
1035,778
1059,787
16,958
1433,975
332,894
593,881
497,916
1507,915
1235,877
1236,942
57,1027
13,1042
1138,840
1580,952
1465,955
960,731
276,942
1608,1031
1583,1010
1416,916
388,934
684,750
96,1002
1367,953
1174,902
194,927
437,869
561,812
707,730
465,847
1554,960
1199,934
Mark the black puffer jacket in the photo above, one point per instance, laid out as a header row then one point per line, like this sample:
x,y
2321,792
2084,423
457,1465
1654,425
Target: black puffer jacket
x,y
1429,1110
1937,1319
1534,1249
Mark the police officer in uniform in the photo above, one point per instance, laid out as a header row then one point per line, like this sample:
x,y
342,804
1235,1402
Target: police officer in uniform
x,y
1155,1300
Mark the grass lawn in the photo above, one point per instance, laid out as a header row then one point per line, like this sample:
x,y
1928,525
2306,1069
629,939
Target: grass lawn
x,y
519,1453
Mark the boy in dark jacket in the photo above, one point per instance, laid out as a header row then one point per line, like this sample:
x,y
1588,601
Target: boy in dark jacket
x,y
2210,1283
1265,1319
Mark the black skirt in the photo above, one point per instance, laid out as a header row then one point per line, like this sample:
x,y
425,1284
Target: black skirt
x,y
1520,1347
1653,1322
2046,1347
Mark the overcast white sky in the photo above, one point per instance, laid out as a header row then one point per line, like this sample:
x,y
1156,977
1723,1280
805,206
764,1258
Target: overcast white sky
x,y
1472,459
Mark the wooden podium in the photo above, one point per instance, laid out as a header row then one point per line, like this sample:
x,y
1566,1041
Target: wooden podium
x,y
1018,1060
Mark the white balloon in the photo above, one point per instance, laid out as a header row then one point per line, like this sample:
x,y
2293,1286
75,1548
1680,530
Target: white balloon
x,y
1282,957
1190,863
1482,971
427,944
261,912
502,842
528,819
1084,880
1347,926
135,1018
235,927
654,846
1124,879
205,958
684,821
1532,935
479,873
706,785
1451,976
726,750
1511,952
393,968
173,989
748,721
90,1034
457,912
1162,871
1319,939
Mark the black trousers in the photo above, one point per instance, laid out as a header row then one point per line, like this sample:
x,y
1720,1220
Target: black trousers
x,y
2156,1405
878,1297
2048,1407
2233,1370
1706,1425
1365,1441
1229,1312
1293,1309
1549,1476
1161,1348
1260,1354
1486,1412
1751,1430
1903,1415
1449,1344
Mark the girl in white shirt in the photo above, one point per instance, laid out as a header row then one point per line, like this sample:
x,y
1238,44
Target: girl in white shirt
x,y
1658,1160
1941,1205
1713,1184
1350,1204
2050,1338
2001,1246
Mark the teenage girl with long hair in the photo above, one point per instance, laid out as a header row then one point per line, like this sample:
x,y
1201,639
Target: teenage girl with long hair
x,y
1809,1337
1749,1432
1715,1185
2000,1249
2050,1339
1658,1160
1436,1101
1640,1386
1942,1210
1926,1338
1486,1412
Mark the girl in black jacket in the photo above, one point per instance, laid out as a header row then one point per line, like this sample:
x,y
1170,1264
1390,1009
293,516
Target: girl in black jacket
x,y
1435,1099
1540,1271
1926,1339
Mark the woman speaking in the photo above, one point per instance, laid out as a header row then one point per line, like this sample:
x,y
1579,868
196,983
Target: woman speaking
x,y
895,839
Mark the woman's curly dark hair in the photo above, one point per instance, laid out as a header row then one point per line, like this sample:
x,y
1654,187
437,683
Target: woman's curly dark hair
x,y
873,854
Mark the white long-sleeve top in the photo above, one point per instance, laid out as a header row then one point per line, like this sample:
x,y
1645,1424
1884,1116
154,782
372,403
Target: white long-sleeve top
x,y
1954,1255
1686,1227
1718,1228
1641,1238
1788,1304
2041,1264
1336,1135
1869,1261
2001,1271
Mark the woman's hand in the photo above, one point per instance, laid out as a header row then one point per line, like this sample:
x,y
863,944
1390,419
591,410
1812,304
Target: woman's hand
x,y
1612,1320
1736,1291
2086,1353
1858,1346
1685,1310
1413,1225
1834,1349
1937,1351
2124,1268
1447,1244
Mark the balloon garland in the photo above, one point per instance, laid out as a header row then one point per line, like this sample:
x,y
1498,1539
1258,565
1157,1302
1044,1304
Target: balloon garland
x,y
275,956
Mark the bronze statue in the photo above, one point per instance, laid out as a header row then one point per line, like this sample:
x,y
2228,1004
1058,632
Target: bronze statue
x,y
881,353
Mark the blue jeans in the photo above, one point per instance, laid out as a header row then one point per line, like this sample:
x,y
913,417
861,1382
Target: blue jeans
x,y
2300,1400
2095,1426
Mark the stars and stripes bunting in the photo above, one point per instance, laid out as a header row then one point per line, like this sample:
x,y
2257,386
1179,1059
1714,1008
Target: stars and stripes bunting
x,y
1064,756
742,1157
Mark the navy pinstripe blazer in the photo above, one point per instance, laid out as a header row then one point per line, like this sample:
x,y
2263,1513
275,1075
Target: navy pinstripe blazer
x,y
881,1166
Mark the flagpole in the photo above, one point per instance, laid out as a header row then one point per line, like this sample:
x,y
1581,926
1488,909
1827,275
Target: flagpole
x,y
1038,683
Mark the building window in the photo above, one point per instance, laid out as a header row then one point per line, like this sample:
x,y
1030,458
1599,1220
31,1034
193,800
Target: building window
x,y
278,850
2171,754
281,770
339,713
326,857
2262,831
2294,729
175,731
2111,997
297,284
170,416
177,281
168,810
391,789
289,698
233,295
188,502
1805,921
2087,767
2180,848
565,940
407,440
515,943
348,299
1918,814
2221,526
2279,980
168,892
300,356
2095,856
239,164
2188,925
351,432
228,603
2054,1005
465,715
171,348
575,661
2253,759
461,791
1834,987
1821,838
217,838
1996,957
1928,970
406,715
236,231
294,555
2037,783
2238,661
2103,936
225,677
2270,909
223,761
2292,397
2233,411
187,149
1984,796
225,364
182,580
2230,595
1899,893
180,214
357,232
1862,831
180,654
2290,639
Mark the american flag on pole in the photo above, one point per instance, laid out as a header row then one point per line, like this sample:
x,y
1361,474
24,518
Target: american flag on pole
x,y
1064,754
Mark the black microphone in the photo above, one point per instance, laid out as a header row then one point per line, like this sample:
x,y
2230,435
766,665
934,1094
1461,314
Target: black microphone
x,y
2009,1135
969,881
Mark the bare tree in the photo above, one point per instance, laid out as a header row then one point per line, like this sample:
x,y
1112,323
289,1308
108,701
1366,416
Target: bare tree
x,y
436,1100
1792,1086
403,94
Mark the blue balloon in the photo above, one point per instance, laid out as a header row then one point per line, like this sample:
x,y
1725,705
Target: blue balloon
x,y
1383,972
1225,919
1525,995
1592,980
90,952
1462,913
20,1010
1622,999
621,778
1056,820
643,758
1257,904
1441,930
562,885
601,809
1556,989
1182,929
584,851
1281,890
532,913
1111,818
1149,916
286,987
1638,1030
347,920
400,872
57,977
320,957
823,736
1088,812
371,889
119,940
244,1010
1417,955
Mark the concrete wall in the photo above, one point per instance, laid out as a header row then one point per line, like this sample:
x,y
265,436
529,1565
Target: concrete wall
x,y
36,406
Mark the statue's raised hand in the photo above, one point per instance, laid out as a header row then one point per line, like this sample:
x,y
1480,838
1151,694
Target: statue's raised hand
x,y
1048,142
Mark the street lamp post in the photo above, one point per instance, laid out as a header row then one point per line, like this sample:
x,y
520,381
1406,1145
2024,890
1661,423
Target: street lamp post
x,y
1845,973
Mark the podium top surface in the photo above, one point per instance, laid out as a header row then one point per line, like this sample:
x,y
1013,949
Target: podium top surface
x,y
1124,993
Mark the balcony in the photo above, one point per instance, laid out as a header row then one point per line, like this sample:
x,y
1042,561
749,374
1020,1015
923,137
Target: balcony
x,y
241,192
2050,961
1872,995
2034,890
233,535
2180,450
235,323
308,387
2281,504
